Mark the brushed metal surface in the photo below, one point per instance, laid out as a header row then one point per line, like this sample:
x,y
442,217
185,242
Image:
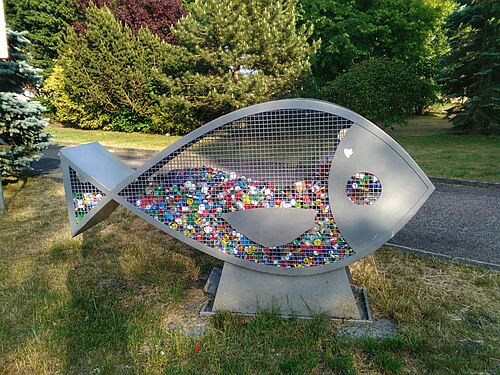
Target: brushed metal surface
x,y
246,291
96,165
404,188
270,226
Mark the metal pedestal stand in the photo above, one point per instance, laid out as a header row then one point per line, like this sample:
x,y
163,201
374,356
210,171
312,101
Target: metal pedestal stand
x,y
246,292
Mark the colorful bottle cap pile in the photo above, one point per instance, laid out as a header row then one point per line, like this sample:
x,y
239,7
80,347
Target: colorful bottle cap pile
x,y
363,188
192,202
84,202
85,195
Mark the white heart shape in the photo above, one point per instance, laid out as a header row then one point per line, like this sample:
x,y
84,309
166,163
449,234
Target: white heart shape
x,y
348,152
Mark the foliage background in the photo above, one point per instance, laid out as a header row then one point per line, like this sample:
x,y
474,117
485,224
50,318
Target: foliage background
x,y
156,15
211,57
472,67
46,22
109,76
353,31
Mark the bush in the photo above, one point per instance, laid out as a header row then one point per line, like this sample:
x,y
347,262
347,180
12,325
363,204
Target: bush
x,y
129,121
66,110
175,116
382,90
62,108
232,54
156,15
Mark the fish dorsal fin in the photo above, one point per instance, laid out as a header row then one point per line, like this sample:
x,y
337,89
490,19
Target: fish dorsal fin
x,y
271,227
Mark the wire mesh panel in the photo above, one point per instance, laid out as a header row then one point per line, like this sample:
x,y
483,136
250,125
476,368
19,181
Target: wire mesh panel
x,y
276,159
363,188
85,195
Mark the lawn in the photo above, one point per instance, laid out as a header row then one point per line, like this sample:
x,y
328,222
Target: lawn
x,y
68,136
441,154
124,298
425,138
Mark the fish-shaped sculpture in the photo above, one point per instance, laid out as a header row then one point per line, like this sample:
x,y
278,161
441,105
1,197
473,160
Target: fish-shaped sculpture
x,y
292,186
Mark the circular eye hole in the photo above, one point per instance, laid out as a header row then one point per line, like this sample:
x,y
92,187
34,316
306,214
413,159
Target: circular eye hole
x,y
363,188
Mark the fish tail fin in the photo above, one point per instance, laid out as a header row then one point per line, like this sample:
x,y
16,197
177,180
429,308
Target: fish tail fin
x,y
90,174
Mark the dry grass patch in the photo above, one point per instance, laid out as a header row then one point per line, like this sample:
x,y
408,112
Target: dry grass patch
x,y
124,298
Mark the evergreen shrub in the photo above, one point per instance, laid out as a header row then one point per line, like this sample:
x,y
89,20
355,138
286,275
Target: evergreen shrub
x,y
21,123
382,90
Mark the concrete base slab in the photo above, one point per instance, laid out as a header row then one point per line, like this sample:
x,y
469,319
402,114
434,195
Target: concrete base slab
x,y
380,329
247,292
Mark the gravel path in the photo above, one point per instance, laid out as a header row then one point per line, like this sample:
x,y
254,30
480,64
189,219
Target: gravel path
x,y
460,222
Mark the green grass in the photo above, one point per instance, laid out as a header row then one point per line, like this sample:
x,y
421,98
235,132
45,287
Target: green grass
x,y
123,297
110,139
441,154
425,138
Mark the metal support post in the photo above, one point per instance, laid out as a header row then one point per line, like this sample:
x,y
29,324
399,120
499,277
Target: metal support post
x,y
2,203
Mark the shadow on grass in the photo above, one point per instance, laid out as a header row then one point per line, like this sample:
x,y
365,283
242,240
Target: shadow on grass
x,y
14,180
96,325
22,323
122,287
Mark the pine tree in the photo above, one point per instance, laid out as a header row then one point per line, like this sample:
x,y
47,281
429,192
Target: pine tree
x,y
21,126
46,21
237,53
108,71
472,67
